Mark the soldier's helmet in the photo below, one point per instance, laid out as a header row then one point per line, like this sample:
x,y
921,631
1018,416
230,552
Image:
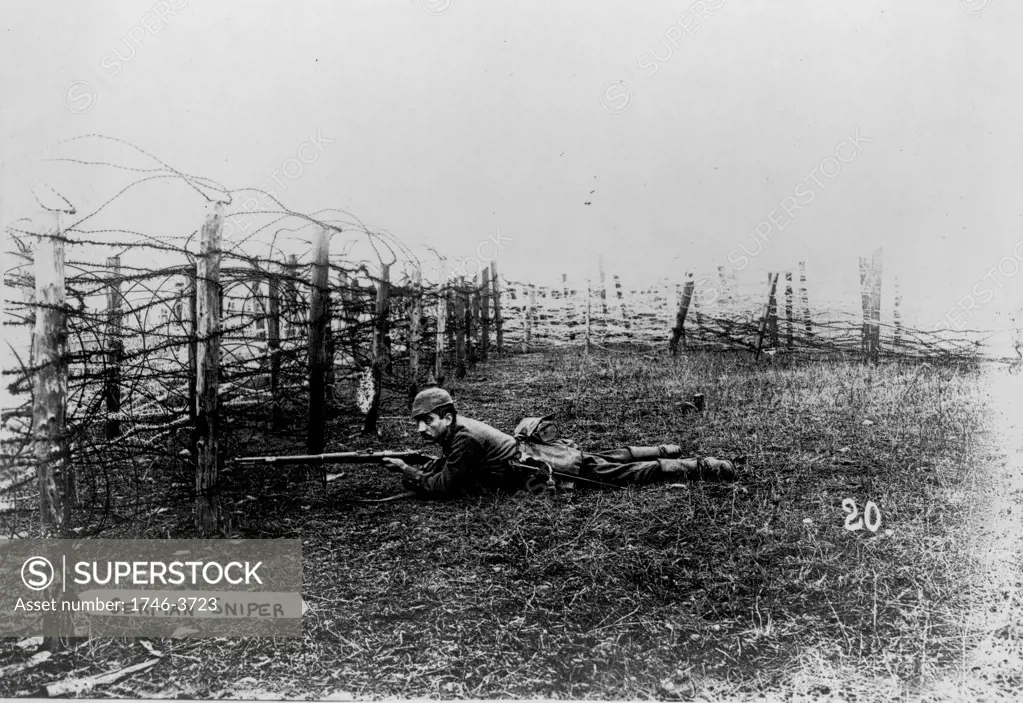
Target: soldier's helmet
x,y
429,400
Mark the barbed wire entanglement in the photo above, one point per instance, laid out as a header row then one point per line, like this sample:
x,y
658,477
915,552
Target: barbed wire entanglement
x,y
130,317
726,317
131,314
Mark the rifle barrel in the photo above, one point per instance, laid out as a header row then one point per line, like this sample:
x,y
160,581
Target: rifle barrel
x,y
333,458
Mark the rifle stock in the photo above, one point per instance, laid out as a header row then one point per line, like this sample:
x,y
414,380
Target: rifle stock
x,y
408,457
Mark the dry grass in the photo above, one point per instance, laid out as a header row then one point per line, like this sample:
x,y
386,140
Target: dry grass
x,y
754,588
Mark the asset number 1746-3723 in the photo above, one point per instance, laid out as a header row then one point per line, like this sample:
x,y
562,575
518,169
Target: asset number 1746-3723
x,y
871,516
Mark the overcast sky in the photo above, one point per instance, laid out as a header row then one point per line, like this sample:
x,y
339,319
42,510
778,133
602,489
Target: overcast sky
x,y
659,135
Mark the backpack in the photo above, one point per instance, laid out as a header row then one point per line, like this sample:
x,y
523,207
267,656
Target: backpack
x,y
541,430
541,448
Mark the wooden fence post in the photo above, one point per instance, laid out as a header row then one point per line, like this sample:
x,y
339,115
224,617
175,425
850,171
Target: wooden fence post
x,y
896,314
588,313
329,350
870,295
442,318
178,309
767,312
568,308
865,304
528,309
472,314
680,317
875,303
273,346
484,313
382,319
498,320
415,334
772,315
451,325
347,315
115,348
207,469
316,343
621,301
696,311
804,299
255,287
603,291
539,308
291,294
459,294
50,383
379,350
442,321
193,362
788,310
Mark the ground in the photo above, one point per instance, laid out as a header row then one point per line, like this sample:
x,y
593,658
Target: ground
x,y
722,591
994,666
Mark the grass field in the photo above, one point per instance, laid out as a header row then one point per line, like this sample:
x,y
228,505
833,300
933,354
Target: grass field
x,y
666,591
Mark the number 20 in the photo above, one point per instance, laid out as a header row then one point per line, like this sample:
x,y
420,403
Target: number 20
x,y
853,522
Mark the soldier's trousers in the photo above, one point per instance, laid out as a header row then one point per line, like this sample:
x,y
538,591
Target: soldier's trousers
x,y
628,465
631,465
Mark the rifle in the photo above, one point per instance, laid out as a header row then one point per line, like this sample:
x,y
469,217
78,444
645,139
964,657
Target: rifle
x,y
409,457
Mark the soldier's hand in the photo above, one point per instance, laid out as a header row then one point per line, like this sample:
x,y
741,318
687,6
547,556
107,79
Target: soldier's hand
x,y
396,464
412,478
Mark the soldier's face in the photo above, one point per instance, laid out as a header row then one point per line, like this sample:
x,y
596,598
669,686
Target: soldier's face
x,y
433,428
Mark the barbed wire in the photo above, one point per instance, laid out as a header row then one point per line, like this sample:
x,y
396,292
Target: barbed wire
x,y
131,342
648,316
132,339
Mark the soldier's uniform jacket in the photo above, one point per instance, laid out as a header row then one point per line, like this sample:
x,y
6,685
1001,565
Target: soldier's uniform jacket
x,y
475,456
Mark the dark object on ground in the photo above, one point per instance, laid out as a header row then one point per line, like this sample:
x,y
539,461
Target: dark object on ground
x,y
699,401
